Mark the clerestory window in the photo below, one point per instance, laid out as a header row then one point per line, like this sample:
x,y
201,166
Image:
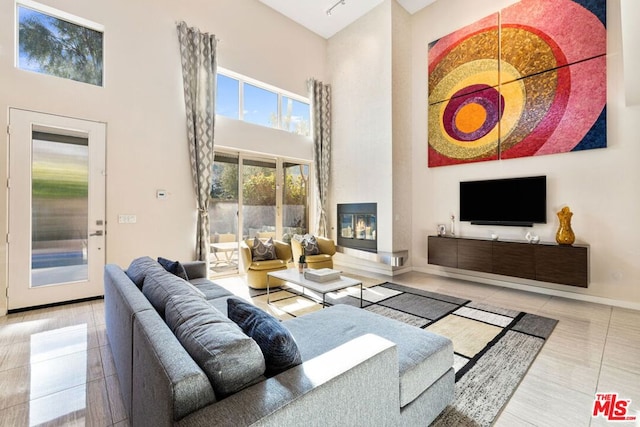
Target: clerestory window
x,y
242,98
53,42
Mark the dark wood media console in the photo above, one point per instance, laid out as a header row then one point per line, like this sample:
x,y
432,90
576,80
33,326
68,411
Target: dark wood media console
x,y
545,262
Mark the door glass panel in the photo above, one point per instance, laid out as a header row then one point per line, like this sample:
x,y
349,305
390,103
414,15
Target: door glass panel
x,y
295,213
258,199
223,215
59,215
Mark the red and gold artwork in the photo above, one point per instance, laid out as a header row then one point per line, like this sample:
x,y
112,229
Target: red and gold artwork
x,y
528,81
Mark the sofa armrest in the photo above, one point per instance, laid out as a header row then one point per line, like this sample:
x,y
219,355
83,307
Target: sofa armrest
x,y
122,301
195,269
296,250
326,246
245,257
283,250
327,387
167,383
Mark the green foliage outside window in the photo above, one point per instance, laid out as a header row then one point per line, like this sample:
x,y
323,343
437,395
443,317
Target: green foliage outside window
x,y
53,46
295,191
259,187
225,181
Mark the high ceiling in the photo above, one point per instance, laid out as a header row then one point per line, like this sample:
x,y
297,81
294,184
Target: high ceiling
x,y
312,14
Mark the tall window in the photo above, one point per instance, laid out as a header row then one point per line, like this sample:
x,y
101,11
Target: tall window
x,y
242,98
56,43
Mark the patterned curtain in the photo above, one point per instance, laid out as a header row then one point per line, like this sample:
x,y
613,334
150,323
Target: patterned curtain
x,y
320,95
198,54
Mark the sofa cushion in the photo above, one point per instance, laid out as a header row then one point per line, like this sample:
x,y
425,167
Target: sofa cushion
x,y
139,268
423,357
278,347
273,264
318,258
263,251
173,267
160,285
195,269
220,303
210,289
230,359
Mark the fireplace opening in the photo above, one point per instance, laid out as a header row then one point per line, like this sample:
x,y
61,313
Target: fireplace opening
x,y
357,226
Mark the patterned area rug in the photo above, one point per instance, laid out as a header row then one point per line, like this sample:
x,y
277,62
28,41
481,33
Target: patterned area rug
x,y
494,347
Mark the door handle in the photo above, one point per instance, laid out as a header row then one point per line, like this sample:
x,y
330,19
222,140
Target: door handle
x,y
97,233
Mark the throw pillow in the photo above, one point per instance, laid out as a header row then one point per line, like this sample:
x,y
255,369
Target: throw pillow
x,y
278,346
139,268
263,251
311,245
173,267
230,359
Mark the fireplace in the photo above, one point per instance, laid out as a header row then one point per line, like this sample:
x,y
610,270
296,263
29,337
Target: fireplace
x,y
357,226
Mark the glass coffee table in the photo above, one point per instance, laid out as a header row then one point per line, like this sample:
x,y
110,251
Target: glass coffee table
x,y
292,275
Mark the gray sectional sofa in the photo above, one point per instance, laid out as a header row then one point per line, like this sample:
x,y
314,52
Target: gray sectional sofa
x,y
357,368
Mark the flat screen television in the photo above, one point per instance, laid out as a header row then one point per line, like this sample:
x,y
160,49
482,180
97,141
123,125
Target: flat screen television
x,y
511,201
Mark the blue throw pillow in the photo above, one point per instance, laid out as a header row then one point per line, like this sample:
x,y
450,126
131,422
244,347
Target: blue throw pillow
x,y
173,267
278,347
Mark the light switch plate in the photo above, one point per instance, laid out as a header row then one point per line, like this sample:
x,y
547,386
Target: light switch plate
x,y
127,219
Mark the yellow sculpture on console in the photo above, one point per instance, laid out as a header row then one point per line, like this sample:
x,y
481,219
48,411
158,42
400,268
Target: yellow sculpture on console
x,y
565,235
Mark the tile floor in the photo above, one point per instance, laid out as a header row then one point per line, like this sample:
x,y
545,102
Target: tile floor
x,y
56,366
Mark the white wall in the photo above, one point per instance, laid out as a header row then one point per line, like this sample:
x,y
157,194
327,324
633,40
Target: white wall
x,y
359,65
402,120
600,186
630,10
143,106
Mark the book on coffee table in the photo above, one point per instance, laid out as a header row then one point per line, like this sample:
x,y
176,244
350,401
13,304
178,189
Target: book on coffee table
x,y
322,275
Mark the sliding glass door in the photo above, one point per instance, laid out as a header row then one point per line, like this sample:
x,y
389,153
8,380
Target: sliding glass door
x,y
259,198
295,213
254,197
223,215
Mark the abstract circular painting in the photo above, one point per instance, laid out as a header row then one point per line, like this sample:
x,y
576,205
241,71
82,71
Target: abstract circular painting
x,y
527,81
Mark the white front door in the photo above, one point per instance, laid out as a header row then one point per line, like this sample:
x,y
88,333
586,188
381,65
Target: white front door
x,y
56,209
